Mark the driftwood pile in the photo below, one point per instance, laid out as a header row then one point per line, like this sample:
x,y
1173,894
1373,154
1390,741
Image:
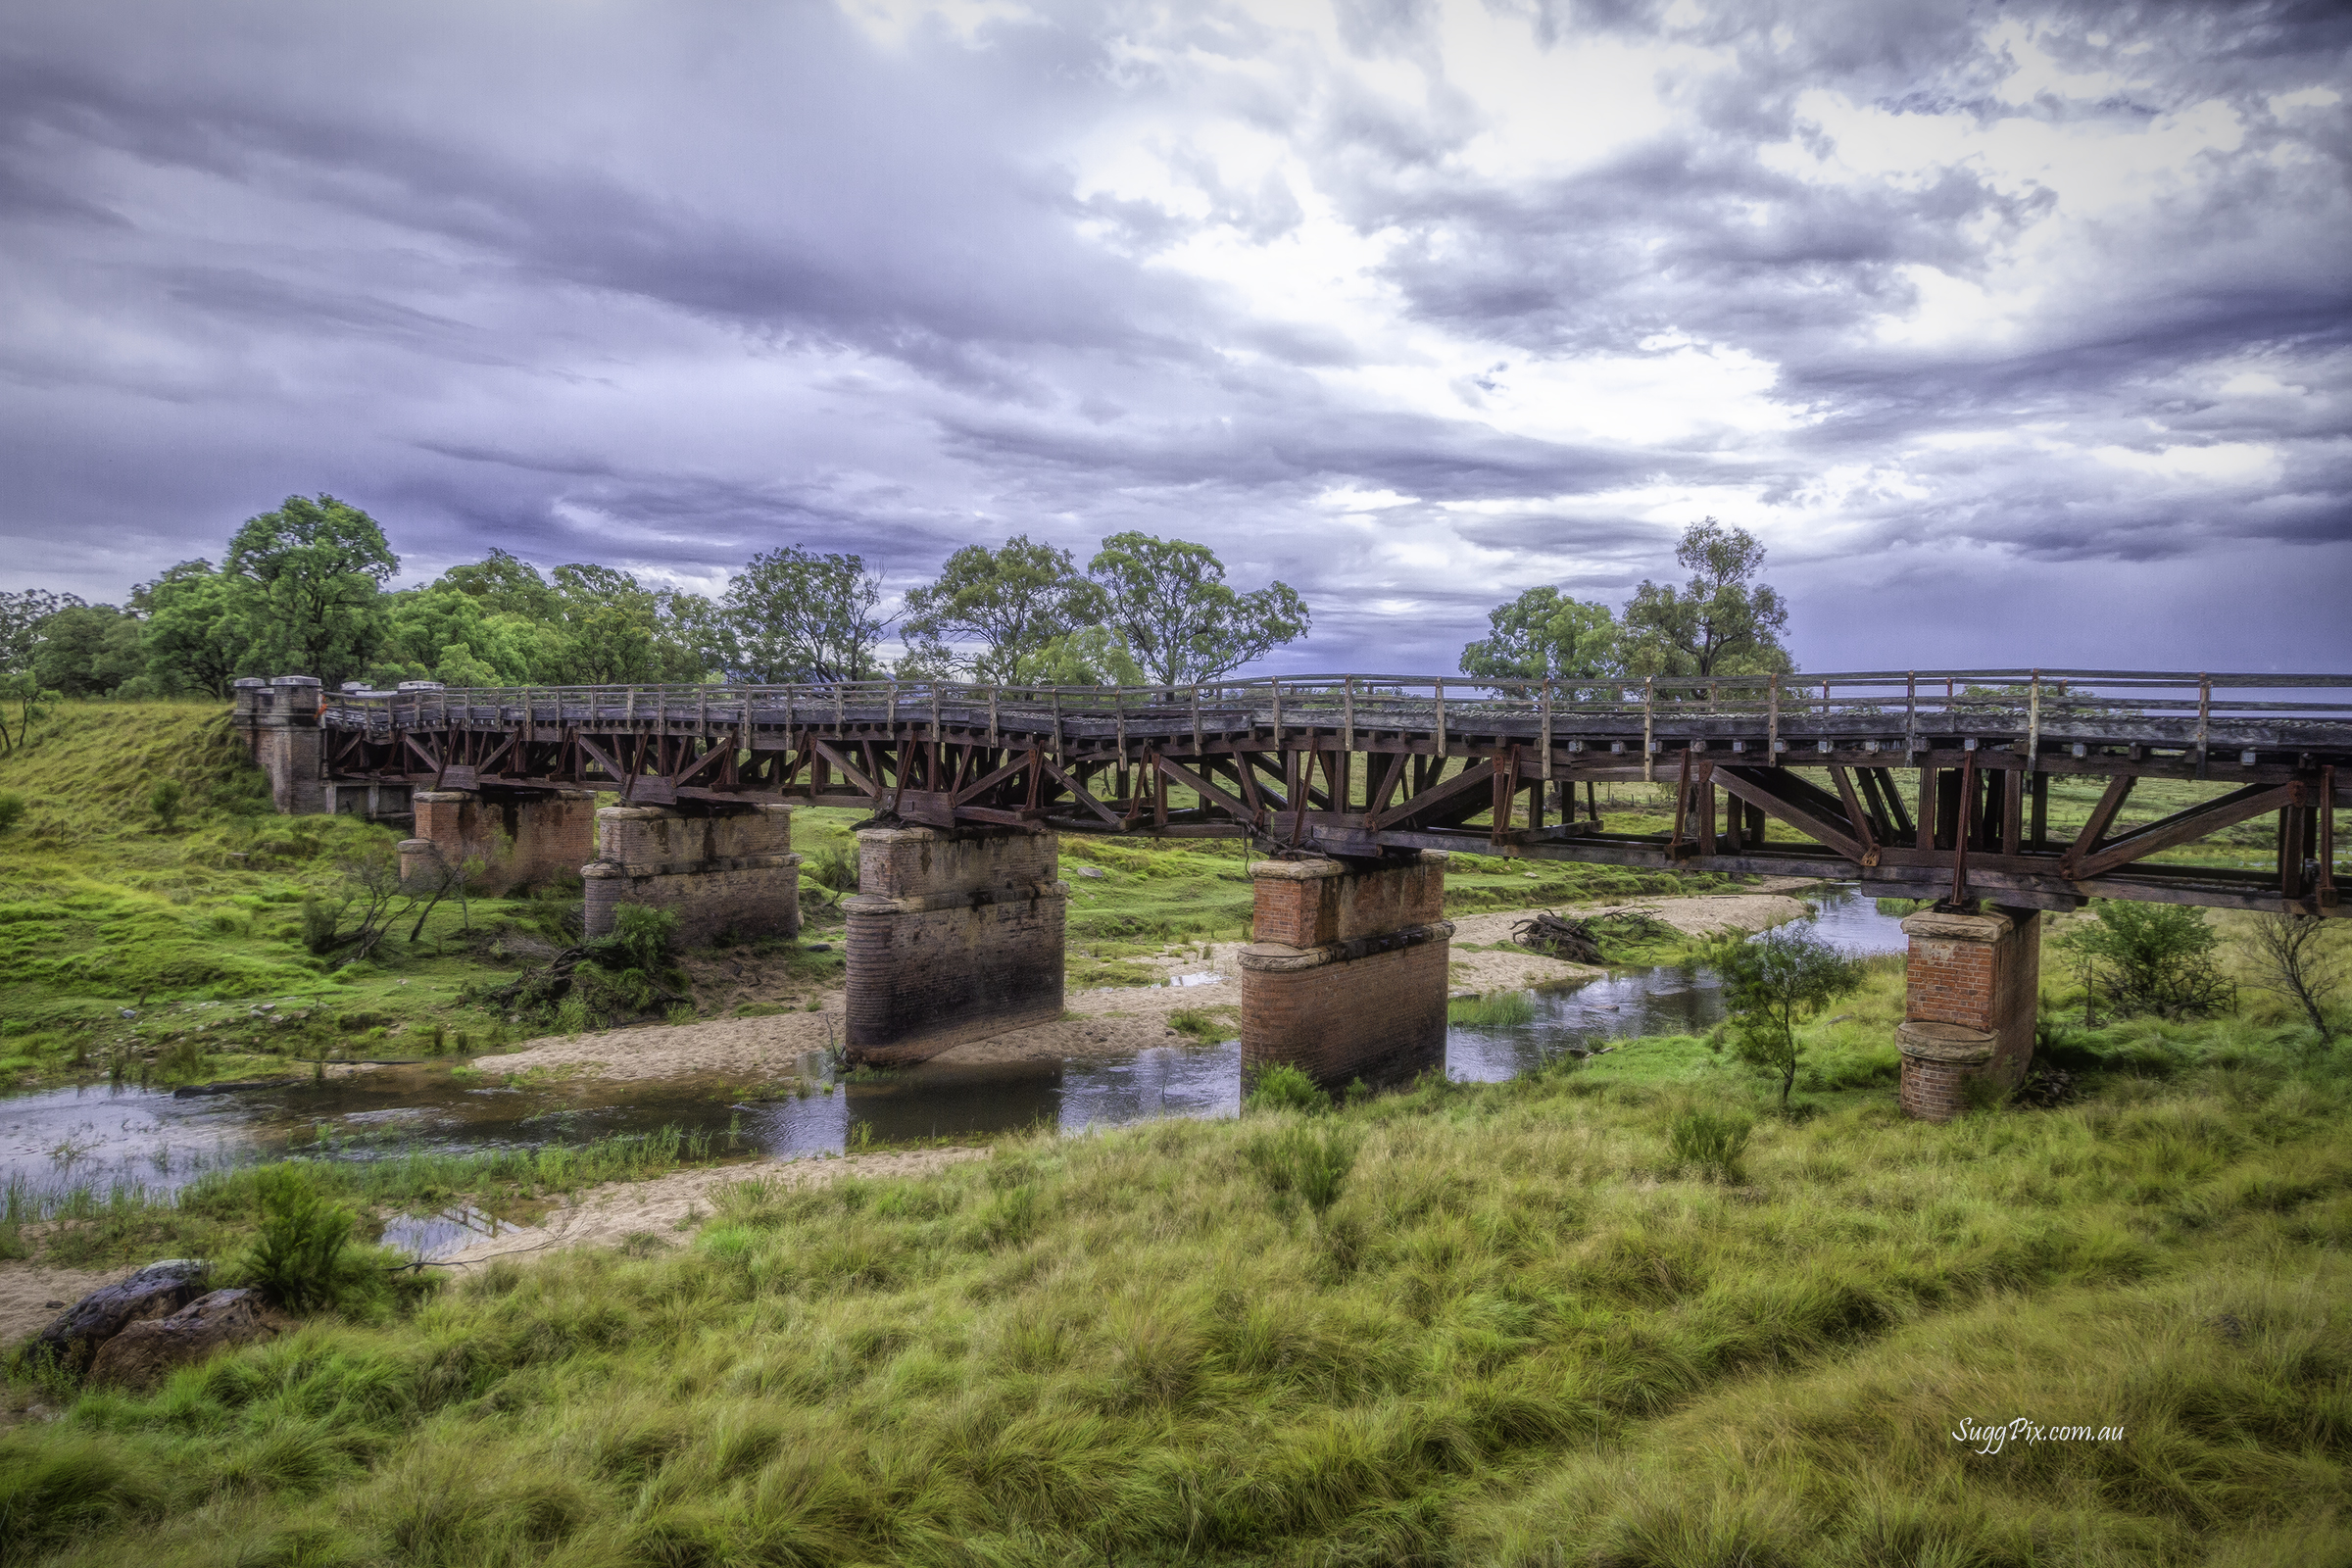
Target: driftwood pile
x,y
1579,941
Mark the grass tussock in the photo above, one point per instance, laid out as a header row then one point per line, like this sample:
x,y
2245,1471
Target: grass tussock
x,y
1510,1323
1499,1009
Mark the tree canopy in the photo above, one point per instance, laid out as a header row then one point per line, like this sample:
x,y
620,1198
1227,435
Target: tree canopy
x,y
1546,635
313,575
1018,602
1167,599
795,615
1721,622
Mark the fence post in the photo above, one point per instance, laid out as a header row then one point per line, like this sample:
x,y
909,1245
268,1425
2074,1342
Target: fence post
x,y
1650,768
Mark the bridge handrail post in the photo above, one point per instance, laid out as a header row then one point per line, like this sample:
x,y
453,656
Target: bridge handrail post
x,y
1276,685
1441,724
1347,715
2204,715
1650,767
1199,747
991,715
1546,737
2033,727
1057,746
1772,723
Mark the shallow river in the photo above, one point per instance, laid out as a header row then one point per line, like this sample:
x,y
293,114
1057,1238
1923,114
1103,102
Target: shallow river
x,y
106,1137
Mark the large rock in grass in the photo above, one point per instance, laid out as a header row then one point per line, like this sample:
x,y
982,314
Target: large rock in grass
x,y
141,1354
157,1290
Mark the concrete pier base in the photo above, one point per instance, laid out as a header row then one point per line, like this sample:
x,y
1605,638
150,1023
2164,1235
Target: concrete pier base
x,y
1344,976
726,870
953,935
279,722
1971,986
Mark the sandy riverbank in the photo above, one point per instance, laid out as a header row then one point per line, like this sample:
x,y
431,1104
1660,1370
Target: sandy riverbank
x,y
1105,1023
665,1207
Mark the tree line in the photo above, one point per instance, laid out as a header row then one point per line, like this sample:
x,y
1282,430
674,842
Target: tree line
x,y
303,589
1722,621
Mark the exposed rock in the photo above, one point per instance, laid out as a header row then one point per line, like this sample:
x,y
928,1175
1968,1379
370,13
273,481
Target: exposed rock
x,y
157,1290
140,1356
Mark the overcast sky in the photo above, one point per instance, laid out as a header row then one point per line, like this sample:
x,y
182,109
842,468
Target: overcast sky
x,y
2018,331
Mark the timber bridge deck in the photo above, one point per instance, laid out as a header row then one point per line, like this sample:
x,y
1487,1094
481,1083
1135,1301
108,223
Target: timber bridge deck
x,y
1354,766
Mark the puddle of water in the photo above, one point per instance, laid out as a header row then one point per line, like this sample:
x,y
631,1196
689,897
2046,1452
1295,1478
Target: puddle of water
x,y
149,1141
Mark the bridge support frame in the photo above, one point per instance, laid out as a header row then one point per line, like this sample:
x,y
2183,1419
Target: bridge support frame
x,y
725,868
1971,985
520,839
955,934
1346,973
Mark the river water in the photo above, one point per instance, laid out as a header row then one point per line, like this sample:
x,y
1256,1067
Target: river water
x,y
104,1138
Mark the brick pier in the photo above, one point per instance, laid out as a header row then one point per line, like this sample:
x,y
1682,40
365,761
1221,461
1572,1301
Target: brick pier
x,y
953,935
1344,976
520,840
1972,983
722,869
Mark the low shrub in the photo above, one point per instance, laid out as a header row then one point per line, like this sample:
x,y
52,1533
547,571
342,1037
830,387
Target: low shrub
x,y
1304,1163
1709,1142
1284,1087
296,1259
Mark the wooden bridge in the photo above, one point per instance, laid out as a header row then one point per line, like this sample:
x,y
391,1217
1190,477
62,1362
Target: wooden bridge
x,y
1917,783
1925,783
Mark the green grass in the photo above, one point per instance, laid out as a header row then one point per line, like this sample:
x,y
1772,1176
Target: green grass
x,y
1502,1010
1478,1323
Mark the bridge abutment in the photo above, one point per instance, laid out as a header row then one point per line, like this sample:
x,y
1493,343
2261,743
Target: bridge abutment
x,y
280,720
1344,976
953,935
520,840
726,869
1972,983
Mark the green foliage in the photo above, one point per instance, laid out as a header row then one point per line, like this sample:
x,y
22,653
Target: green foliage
x,y
641,937
1718,624
1016,603
89,650
310,578
297,1258
1207,1025
793,614
1710,1140
834,866
1544,635
2157,958
196,629
1500,1009
1168,600
1090,656
1770,985
1308,1162
1284,1087
164,800
12,808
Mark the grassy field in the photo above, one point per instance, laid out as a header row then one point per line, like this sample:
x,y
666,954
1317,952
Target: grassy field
x,y
1507,1324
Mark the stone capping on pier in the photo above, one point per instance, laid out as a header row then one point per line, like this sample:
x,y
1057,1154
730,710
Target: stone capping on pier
x,y
729,870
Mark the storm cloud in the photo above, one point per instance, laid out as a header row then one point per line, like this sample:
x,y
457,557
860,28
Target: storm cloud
x,y
2018,332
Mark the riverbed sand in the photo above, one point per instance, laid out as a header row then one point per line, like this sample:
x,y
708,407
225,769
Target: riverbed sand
x,y
31,1298
1109,1022
666,1209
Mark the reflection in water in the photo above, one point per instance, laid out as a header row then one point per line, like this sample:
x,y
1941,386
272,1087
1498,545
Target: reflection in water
x,y
137,1138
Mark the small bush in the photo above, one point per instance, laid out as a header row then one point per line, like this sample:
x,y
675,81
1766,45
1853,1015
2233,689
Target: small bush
x,y
296,1259
2153,958
1302,1163
1208,1025
1285,1087
12,810
164,800
834,867
1709,1142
